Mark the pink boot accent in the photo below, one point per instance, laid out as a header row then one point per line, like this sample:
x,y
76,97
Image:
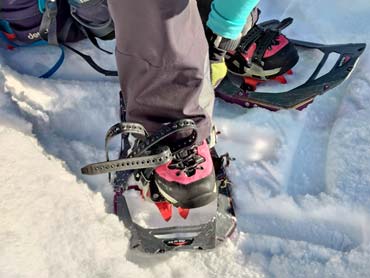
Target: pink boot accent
x,y
282,42
175,175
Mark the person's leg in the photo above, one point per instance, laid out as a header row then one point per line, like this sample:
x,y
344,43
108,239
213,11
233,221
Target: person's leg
x,y
163,65
162,62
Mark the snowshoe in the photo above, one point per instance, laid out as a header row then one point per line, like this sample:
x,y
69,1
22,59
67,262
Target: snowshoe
x,y
200,229
239,85
164,176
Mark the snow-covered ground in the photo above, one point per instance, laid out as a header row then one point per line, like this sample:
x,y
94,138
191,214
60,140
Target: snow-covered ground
x,y
302,179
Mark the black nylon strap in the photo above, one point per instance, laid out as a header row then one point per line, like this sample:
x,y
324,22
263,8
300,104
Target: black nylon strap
x,y
253,35
136,159
125,164
63,34
263,34
91,62
164,132
124,128
283,24
264,42
125,143
92,39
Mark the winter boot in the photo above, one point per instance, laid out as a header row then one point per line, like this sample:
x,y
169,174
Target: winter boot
x,y
264,53
188,180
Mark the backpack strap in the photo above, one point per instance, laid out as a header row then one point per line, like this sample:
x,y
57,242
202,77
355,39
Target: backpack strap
x,y
93,40
48,26
92,64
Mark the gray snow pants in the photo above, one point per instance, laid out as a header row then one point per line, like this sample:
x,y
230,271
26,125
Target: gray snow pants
x,y
162,60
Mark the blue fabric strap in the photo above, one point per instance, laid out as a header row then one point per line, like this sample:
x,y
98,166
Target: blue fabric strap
x,y
56,66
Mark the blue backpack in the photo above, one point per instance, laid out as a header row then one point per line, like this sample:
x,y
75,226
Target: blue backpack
x,y
25,23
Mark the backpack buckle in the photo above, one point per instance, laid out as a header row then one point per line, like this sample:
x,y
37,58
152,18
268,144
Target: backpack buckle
x,y
51,8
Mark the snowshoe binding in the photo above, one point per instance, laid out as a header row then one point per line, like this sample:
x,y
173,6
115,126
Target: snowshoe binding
x,y
263,53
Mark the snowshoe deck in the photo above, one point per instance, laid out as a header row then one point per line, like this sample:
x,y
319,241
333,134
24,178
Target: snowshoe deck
x,y
232,90
201,237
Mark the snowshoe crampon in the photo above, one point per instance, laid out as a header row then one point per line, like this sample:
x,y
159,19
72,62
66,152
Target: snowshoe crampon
x,y
239,89
157,225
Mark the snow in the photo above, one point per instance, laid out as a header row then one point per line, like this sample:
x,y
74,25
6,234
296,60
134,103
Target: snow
x,y
302,179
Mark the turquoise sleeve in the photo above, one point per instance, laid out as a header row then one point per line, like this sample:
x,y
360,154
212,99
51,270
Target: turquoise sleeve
x,y
228,17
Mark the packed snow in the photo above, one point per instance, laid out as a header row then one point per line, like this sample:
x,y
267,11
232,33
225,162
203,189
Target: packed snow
x,y
301,179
